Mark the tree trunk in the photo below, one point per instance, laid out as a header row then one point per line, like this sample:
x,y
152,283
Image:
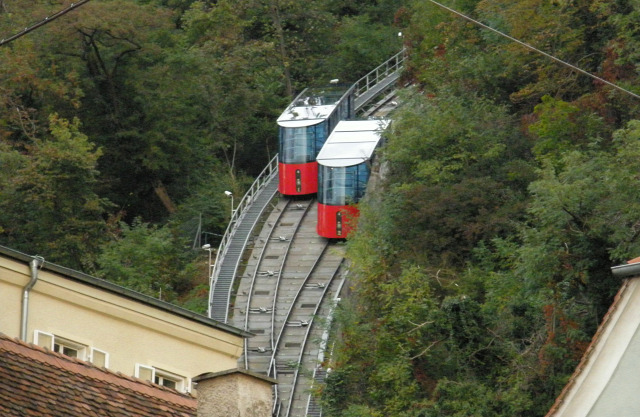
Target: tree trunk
x,y
163,195
277,23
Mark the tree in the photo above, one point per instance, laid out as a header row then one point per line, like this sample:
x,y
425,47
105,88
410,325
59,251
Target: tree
x,y
451,160
50,205
146,259
508,193
561,126
585,219
362,45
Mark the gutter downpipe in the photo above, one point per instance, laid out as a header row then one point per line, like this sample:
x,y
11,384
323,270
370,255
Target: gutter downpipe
x,y
35,263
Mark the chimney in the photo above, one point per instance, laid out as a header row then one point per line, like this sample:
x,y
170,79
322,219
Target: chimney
x,y
234,393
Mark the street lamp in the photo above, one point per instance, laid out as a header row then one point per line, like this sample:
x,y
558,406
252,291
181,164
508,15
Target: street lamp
x,y
230,194
208,248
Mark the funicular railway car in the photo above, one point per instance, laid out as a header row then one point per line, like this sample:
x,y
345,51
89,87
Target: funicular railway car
x,y
344,167
303,128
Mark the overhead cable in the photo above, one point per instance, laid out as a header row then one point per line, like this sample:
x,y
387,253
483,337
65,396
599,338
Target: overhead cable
x,y
580,70
43,22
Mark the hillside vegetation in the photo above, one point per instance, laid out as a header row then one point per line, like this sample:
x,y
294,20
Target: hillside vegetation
x,y
481,267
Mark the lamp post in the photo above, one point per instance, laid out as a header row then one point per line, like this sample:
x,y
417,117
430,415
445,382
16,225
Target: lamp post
x,y
208,248
230,194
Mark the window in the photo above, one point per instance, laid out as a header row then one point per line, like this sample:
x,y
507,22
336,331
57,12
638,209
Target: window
x,y
58,344
68,348
162,377
167,380
71,348
339,186
300,145
43,339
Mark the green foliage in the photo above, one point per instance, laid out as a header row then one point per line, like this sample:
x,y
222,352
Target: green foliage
x,y
509,191
457,176
562,126
585,215
448,136
147,259
481,263
362,45
49,204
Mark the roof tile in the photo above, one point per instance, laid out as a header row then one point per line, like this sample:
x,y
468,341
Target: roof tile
x,y
37,382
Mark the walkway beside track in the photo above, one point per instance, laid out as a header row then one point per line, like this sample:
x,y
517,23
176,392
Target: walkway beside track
x,y
383,85
233,244
380,80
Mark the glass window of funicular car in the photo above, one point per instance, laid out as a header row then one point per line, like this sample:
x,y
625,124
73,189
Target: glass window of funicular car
x,y
299,145
339,186
321,133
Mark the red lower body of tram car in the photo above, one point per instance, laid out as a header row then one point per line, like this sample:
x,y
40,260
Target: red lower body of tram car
x,y
298,179
336,222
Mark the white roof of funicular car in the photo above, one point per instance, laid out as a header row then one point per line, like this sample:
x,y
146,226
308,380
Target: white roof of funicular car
x,y
312,106
351,142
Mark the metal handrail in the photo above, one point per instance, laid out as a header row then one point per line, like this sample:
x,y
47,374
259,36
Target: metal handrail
x,y
239,212
382,71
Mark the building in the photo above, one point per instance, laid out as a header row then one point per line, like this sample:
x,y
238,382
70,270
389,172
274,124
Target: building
x,y
38,382
123,331
605,382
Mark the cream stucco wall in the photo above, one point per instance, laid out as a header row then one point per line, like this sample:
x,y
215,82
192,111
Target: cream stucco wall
x,y
130,330
11,297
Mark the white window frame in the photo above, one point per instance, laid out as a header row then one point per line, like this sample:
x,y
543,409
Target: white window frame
x,y
81,349
61,342
180,381
151,369
92,355
183,384
37,334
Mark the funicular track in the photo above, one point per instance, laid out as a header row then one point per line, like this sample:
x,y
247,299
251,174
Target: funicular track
x,y
285,295
289,273
286,278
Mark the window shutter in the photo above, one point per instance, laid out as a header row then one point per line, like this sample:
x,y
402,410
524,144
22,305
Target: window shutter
x,y
43,339
145,372
99,358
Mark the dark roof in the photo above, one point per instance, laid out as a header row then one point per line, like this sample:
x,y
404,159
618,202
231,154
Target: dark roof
x,y
113,288
212,375
37,382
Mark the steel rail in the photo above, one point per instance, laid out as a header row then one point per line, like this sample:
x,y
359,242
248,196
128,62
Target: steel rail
x,y
271,240
306,338
284,260
366,90
253,280
276,400
291,307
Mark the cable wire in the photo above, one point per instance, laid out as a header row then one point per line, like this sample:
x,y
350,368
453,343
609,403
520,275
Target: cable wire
x,y
580,70
43,22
